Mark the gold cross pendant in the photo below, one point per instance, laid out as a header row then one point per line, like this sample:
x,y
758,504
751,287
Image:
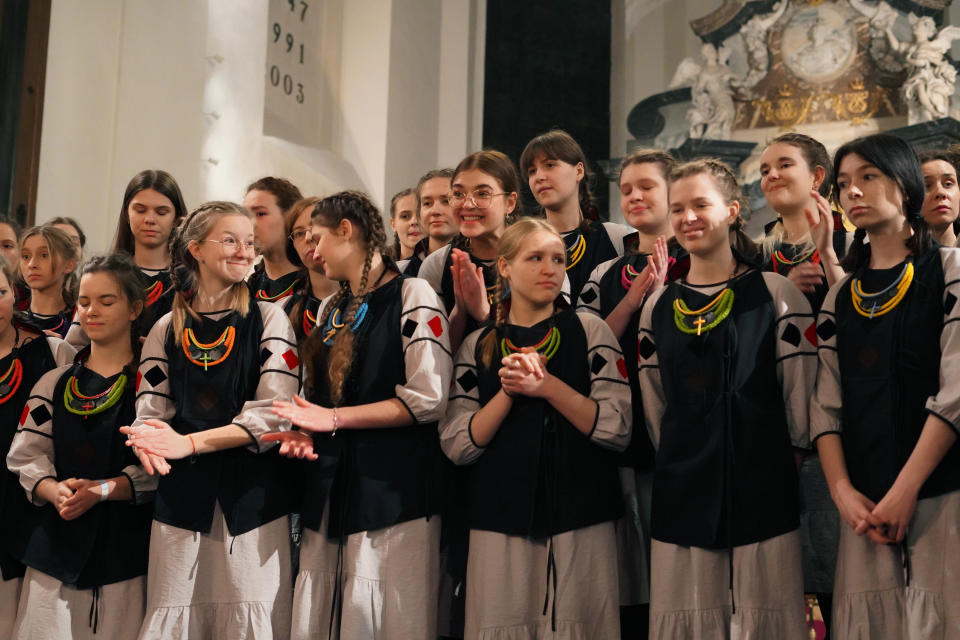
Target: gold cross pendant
x,y
699,322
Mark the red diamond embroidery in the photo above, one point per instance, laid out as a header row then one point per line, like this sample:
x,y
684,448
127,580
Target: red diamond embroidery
x,y
23,416
622,368
139,378
436,325
811,334
291,359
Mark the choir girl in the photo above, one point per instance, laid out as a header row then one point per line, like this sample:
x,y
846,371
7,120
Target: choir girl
x,y
484,192
795,177
539,404
277,275
887,404
615,291
406,250
941,205
26,353
378,367
85,543
558,176
209,371
47,259
152,208
726,365
435,213
304,305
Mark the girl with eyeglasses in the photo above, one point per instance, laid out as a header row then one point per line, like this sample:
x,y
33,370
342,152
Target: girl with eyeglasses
x,y
886,410
277,275
209,372
85,542
484,194
559,178
378,365
152,208
26,353
727,361
539,405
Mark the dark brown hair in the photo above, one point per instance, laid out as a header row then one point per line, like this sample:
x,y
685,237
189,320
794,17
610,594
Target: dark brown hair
x,y
395,248
283,190
557,144
161,182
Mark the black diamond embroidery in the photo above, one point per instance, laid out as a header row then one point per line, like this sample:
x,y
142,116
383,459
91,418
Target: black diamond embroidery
x,y
826,329
155,375
598,362
646,348
408,328
791,334
40,415
265,355
588,295
467,381
949,302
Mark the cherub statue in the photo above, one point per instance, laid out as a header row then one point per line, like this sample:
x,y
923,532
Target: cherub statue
x,y
754,34
931,79
711,87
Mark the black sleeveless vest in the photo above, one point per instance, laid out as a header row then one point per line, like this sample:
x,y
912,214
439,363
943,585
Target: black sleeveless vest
x,y
36,359
599,248
252,489
374,478
540,476
889,366
725,473
110,542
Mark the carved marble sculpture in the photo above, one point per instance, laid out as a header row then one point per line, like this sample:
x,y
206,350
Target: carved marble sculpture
x,y
711,90
931,79
754,34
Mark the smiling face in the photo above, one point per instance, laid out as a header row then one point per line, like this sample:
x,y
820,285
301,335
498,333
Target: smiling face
x,y
152,217
941,205
699,215
554,182
436,214
104,311
785,177
405,221
475,221
270,235
225,254
643,196
536,272
871,200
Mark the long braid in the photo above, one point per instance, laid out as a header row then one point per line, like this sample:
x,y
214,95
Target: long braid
x,y
341,353
489,350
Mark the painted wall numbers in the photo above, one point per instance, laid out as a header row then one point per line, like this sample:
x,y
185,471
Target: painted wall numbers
x,y
292,71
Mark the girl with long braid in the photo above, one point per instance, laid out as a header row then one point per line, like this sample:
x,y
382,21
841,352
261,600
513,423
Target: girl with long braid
x,y
558,175
726,366
539,404
219,548
85,543
886,411
377,370
26,353
303,307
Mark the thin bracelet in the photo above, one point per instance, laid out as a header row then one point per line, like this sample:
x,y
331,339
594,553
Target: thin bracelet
x,y
194,444
104,490
336,423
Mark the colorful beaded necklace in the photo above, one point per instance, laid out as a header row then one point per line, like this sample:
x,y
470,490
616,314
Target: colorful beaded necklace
x,y
84,405
778,258
211,354
707,317
154,292
547,346
871,305
262,293
10,382
575,251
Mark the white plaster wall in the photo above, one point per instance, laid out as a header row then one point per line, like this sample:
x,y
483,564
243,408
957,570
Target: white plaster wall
x,y
133,84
